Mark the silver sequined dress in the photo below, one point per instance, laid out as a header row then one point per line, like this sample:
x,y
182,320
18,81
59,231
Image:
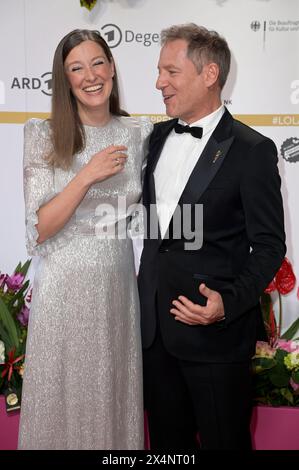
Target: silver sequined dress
x,y
83,374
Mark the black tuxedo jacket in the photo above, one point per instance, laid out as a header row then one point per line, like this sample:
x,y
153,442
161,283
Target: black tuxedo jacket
x,y
237,182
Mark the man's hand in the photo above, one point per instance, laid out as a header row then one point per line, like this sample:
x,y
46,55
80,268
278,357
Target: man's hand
x,y
193,314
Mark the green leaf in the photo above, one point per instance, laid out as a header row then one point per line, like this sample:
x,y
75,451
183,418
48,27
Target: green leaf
x,y
279,375
280,355
291,331
9,324
285,392
24,269
295,376
4,336
265,306
260,364
17,270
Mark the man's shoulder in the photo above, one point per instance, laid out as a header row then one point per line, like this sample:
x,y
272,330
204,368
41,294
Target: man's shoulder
x,y
247,134
164,125
161,129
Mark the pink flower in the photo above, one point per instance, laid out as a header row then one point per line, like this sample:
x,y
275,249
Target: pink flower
x,y
263,349
294,385
15,281
288,346
23,316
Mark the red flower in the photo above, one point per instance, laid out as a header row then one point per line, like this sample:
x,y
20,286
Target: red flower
x,y
11,364
284,281
271,287
285,278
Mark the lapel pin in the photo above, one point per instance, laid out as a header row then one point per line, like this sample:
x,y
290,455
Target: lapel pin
x,y
218,154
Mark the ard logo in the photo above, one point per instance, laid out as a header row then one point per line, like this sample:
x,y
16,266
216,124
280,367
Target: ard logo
x,y
44,83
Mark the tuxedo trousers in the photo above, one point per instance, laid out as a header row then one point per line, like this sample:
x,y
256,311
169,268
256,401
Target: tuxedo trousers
x,y
190,402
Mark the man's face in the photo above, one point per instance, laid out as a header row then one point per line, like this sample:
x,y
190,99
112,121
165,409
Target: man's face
x,y
185,91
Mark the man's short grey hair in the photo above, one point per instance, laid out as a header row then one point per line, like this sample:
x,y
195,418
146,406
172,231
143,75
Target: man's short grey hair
x,y
204,47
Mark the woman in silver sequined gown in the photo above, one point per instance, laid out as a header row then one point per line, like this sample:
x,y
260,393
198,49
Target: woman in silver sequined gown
x,y
83,375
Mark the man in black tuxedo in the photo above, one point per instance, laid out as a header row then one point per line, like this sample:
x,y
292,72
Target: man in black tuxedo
x,y
199,296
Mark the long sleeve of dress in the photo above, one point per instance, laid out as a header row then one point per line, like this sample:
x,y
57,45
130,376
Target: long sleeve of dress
x,y
39,187
136,227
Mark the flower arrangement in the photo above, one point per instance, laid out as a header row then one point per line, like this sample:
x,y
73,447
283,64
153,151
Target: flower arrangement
x,y
276,362
89,4
15,298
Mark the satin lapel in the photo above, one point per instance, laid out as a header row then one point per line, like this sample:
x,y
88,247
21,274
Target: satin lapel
x,y
157,145
209,162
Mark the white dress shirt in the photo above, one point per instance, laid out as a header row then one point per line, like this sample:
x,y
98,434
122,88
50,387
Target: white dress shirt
x,y
176,163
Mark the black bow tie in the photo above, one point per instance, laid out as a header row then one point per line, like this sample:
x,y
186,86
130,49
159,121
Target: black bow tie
x,y
194,131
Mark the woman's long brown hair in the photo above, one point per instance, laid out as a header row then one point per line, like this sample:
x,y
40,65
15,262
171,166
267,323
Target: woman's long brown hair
x,y
67,131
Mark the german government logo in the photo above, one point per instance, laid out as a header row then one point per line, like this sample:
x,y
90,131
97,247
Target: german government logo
x,y
255,26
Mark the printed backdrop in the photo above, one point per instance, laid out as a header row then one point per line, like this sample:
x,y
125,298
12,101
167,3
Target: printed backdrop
x,y
262,90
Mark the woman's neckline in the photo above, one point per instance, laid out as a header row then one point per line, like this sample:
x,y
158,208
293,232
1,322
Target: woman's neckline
x,y
99,126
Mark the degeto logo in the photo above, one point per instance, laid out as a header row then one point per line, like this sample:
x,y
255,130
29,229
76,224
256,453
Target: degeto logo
x,y
114,36
42,83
